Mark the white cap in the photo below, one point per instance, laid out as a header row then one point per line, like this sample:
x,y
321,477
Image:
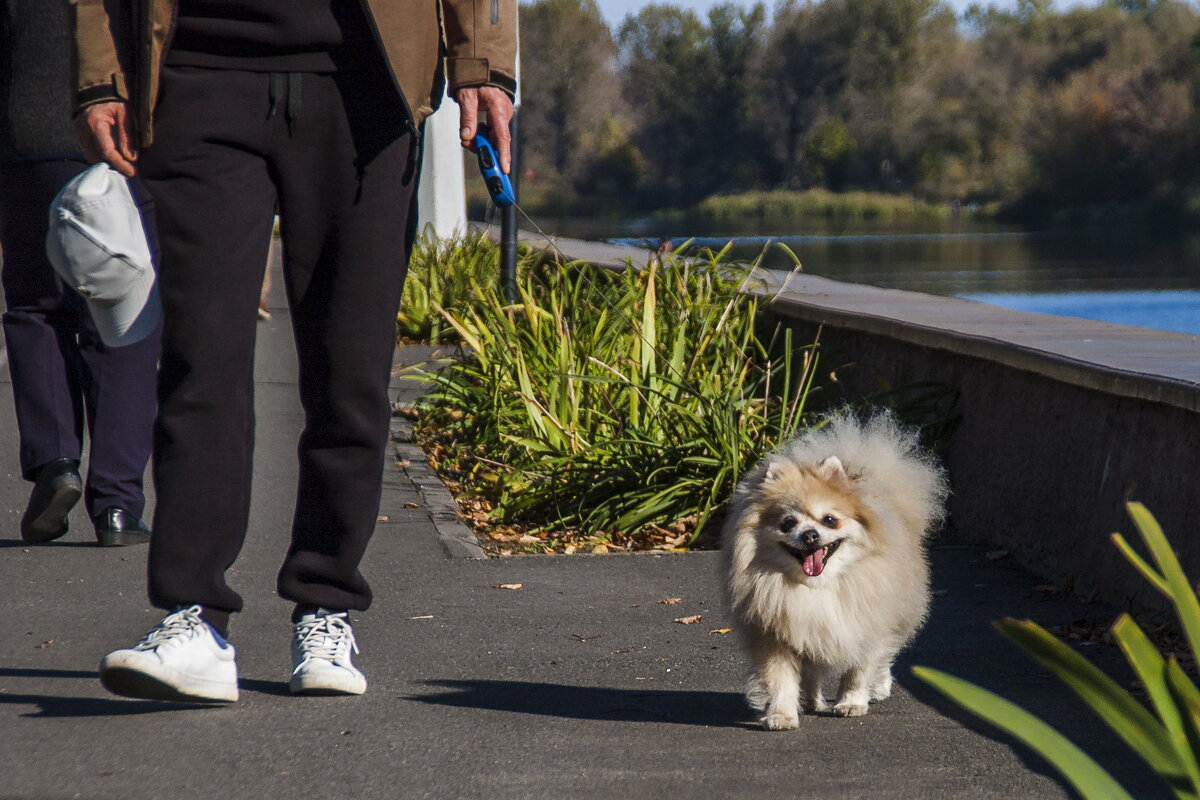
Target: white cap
x,y
97,244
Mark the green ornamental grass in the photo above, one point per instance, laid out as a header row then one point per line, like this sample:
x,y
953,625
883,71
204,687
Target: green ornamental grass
x,y
441,273
607,401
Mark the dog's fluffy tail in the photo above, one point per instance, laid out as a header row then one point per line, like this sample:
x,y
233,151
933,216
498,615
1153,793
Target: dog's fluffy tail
x,y
886,460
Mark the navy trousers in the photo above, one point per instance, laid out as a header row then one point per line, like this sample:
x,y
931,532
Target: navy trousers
x,y
62,373
333,153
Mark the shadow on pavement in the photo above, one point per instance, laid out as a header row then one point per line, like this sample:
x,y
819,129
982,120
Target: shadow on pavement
x,y
12,672
77,707
65,706
712,709
273,688
5,543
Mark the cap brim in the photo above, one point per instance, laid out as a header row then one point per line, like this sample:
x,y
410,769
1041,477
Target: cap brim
x,y
131,319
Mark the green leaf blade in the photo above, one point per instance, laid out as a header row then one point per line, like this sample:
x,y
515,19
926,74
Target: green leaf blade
x,y
1128,718
1079,769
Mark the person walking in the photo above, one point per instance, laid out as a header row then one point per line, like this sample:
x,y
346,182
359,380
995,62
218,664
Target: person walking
x,y
62,371
225,109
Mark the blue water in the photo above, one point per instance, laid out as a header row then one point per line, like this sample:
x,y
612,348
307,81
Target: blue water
x,y
1165,310
1146,279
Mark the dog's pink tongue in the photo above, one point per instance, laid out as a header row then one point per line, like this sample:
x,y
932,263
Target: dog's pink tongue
x,y
814,563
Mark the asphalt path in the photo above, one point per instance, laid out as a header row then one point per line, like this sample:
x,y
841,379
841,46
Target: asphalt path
x,y
579,684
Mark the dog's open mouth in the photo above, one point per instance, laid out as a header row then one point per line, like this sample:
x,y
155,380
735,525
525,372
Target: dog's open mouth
x,y
812,560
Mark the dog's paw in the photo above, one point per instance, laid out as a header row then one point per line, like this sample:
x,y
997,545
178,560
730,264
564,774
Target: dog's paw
x,y
850,709
882,688
815,705
780,722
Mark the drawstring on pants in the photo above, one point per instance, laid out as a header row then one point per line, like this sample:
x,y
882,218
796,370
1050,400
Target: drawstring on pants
x,y
285,85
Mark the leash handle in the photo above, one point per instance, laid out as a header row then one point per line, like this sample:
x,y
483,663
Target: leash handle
x,y
498,185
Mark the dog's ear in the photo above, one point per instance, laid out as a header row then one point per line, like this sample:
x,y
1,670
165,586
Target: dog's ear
x,y
774,470
832,468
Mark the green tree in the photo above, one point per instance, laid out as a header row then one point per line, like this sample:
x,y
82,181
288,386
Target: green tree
x,y
1116,127
568,86
804,70
662,52
851,61
689,81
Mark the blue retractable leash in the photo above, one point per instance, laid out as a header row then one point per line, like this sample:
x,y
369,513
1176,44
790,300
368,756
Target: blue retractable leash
x,y
498,185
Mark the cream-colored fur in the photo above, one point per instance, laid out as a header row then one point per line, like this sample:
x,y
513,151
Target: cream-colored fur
x,y
867,485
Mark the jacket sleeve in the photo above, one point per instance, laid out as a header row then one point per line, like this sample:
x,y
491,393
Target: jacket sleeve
x,y
481,43
99,31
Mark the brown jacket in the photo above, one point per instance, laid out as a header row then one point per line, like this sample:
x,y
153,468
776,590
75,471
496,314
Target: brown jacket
x,y
120,46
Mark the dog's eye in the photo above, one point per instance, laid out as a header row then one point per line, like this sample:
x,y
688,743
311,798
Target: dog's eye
x,y
788,524
830,521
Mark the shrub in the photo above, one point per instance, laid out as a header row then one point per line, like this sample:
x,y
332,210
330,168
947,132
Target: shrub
x,y
610,401
441,274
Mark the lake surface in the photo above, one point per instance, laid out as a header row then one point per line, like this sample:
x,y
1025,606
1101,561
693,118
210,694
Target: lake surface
x,y
1129,277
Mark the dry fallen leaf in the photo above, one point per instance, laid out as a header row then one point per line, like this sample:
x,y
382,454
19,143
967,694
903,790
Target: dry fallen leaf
x,y
513,586
670,601
692,620
382,518
412,505
720,630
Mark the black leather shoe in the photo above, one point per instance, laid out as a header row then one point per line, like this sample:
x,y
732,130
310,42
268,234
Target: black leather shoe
x,y
116,527
55,492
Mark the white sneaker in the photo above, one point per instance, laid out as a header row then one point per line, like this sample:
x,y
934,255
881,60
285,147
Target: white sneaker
x,y
322,644
181,659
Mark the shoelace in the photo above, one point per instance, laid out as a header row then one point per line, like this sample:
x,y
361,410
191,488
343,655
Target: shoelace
x,y
182,624
327,637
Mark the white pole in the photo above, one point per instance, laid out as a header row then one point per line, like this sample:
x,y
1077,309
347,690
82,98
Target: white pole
x,y
441,197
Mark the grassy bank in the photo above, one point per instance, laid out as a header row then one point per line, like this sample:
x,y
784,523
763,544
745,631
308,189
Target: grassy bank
x,y
823,204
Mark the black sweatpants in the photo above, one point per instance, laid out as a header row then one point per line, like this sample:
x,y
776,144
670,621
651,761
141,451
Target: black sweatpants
x,y
62,373
332,151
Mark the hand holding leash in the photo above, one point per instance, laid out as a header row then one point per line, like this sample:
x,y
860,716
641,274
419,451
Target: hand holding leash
x,y
497,107
498,185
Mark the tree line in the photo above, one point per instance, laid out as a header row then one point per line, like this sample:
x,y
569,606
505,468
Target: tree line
x,y
1038,110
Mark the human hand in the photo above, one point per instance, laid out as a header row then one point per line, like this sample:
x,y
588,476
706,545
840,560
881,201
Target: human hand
x,y
499,109
106,133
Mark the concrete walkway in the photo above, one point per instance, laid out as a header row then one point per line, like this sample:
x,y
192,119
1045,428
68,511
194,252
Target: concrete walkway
x,y
580,684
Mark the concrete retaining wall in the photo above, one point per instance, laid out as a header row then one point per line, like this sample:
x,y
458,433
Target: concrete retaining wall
x,y
1049,445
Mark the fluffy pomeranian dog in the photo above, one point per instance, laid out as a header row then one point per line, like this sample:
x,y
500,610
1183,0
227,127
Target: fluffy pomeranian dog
x,y
825,566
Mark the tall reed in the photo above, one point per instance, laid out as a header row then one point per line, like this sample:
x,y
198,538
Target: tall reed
x,y
612,401
441,274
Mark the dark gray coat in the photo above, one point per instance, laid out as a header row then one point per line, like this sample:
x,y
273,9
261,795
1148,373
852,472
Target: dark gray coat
x,y
36,80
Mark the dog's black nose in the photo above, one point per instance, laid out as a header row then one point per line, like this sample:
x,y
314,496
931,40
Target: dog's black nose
x,y
810,537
